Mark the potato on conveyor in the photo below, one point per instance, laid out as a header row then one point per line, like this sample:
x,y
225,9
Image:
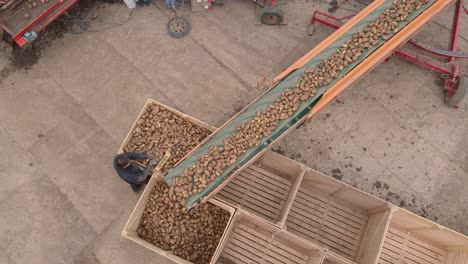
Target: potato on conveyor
x,y
196,178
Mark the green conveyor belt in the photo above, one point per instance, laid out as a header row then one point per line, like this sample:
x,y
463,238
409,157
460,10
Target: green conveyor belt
x,y
270,97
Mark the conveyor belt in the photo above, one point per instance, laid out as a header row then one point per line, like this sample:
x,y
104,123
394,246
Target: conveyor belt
x,y
288,79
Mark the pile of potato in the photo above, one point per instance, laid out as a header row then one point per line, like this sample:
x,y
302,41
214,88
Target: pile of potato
x,y
159,129
31,4
195,179
193,235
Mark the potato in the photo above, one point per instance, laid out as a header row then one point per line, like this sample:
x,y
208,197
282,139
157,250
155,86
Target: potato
x,y
193,236
251,133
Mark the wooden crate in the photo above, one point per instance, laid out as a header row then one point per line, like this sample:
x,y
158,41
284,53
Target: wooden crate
x,y
330,258
252,240
413,239
339,218
178,113
265,187
130,229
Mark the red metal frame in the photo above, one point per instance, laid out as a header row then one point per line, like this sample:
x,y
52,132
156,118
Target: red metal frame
x,y
452,74
41,22
315,18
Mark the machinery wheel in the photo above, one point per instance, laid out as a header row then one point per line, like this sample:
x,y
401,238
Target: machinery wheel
x,y
271,16
178,27
453,99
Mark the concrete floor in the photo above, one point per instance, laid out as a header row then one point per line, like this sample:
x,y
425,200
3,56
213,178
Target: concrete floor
x,y
61,122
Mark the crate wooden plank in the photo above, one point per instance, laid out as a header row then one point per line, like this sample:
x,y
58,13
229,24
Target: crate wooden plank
x,y
269,174
331,258
261,187
271,183
288,252
321,241
238,198
326,229
356,219
404,248
353,215
333,223
258,191
253,240
327,223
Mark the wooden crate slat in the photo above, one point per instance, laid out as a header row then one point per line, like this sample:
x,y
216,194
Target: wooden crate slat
x,y
231,194
336,208
419,243
263,183
320,240
424,253
264,173
261,189
355,212
308,221
330,222
281,257
246,245
405,248
385,258
267,199
239,257
337,217
254,235
244,249
287,251
263,211
301,220
421,246
261,200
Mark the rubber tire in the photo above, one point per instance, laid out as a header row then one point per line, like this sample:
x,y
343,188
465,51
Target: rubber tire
x,y
178,34
459,94
268,11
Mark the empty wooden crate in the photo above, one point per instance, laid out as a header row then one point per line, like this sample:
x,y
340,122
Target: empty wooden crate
x,y
252,240
265,187
339,218
413,239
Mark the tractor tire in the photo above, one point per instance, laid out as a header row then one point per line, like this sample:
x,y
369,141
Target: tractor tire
x,y
452,100
271,16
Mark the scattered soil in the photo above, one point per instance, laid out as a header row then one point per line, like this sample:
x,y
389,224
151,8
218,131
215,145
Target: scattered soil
x,y
337,174
192,235
26,57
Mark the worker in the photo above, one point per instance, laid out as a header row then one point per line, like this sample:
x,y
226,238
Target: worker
x,y
171,4
131,172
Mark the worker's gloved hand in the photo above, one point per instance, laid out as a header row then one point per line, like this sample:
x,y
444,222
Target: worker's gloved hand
x,y
150,153
154,162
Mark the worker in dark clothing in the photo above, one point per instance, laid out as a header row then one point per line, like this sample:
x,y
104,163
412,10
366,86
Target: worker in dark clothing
x,y
131,172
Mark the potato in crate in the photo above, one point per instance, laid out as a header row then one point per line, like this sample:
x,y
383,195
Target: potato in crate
x,y
161,128
178,235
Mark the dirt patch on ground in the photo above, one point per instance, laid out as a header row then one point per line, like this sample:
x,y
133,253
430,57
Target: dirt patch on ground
x,y
24,58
